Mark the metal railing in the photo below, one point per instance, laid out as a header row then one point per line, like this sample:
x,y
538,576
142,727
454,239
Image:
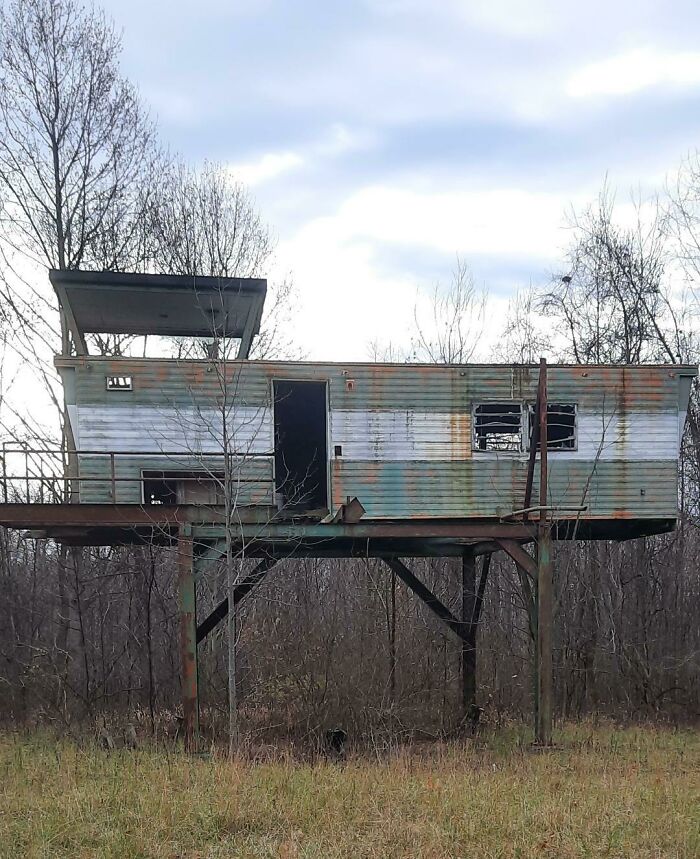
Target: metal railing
x,y
50,475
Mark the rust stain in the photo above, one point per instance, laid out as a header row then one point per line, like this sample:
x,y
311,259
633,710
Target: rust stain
x,y
460,435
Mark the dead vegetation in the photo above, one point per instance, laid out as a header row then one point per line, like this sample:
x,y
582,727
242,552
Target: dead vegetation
x,y
604,792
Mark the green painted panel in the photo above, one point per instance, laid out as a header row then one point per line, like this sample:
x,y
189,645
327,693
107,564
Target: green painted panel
x,y
379,386
497,487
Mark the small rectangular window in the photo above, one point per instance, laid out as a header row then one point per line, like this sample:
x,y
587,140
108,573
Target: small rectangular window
x,y
561,425
498,426
119,383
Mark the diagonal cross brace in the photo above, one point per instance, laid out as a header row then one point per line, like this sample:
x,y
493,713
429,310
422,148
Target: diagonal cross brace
x,y
242,589
428,597
523,559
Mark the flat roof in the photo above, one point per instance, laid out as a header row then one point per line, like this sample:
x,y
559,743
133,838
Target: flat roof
x,y
172,305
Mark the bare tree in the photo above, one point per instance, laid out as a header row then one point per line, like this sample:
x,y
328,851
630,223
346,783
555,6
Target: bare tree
x,y
452,335
612,306
204,222
683,216
75,140
524,338
76,152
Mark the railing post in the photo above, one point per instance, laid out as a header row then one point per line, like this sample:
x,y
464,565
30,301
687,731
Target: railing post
x,y
114,478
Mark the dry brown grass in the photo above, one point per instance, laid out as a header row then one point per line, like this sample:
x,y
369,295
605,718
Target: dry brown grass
x,y
605,792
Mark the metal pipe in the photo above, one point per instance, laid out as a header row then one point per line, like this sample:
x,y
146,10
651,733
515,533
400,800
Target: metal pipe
x,y
548,508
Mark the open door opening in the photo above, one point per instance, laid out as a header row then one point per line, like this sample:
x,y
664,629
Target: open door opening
x,y
301,456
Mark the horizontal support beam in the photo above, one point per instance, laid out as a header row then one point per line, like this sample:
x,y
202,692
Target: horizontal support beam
x,y
424,593
255,523
261,531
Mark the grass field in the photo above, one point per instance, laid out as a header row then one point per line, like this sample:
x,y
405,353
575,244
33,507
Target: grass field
x,y
603,793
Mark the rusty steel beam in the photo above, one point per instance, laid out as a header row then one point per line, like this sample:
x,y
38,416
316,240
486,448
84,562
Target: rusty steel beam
x,y
188,638
483,579
534,441
545,681
242,589
424,593
256,525
469,592
523,559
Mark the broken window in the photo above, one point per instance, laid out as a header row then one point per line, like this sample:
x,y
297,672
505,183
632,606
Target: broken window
x,y
119,383
159,488
183,487
561,425
498,426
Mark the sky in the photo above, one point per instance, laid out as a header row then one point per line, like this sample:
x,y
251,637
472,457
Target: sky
x,y
383,139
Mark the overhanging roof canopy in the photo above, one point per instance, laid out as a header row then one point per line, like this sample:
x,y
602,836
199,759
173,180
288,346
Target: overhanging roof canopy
x,y
170,305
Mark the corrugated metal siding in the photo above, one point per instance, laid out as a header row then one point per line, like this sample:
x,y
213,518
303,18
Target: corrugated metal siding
x,y
497,488
405,430
401,434
153,429
257,474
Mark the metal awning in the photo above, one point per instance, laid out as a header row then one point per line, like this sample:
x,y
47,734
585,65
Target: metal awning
x,y
169,305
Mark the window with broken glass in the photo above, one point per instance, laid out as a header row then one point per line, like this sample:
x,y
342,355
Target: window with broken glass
x,y
561,426
498,427
119,383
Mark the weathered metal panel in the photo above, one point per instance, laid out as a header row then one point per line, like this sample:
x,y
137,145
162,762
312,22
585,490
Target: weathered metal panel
x,y
406,434
404,431
497,488
252,478
430,489
187,428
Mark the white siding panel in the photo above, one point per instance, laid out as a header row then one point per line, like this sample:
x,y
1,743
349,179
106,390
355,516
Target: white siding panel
x,y
365,435
400,435
151,429
405,435
636,436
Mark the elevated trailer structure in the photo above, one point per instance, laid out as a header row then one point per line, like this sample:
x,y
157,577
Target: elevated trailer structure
x,y
276,460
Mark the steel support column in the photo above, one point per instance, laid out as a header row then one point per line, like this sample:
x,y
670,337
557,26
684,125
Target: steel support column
x,y
469,642
543,730
544,682
188,638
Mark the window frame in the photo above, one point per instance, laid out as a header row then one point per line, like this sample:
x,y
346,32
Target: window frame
x,y
117,388
523,427
550,404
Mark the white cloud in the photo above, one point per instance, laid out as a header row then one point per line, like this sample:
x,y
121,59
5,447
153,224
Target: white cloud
x,y
507,220
347,301
634,71
337,140
269,166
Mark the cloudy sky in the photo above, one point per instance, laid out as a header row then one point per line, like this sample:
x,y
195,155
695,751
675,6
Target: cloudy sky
x,y
383,138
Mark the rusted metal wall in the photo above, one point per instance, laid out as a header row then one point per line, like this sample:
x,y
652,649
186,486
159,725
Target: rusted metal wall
x,y
404,432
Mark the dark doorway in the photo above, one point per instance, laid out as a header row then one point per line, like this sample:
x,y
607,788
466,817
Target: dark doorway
x,y
301,458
